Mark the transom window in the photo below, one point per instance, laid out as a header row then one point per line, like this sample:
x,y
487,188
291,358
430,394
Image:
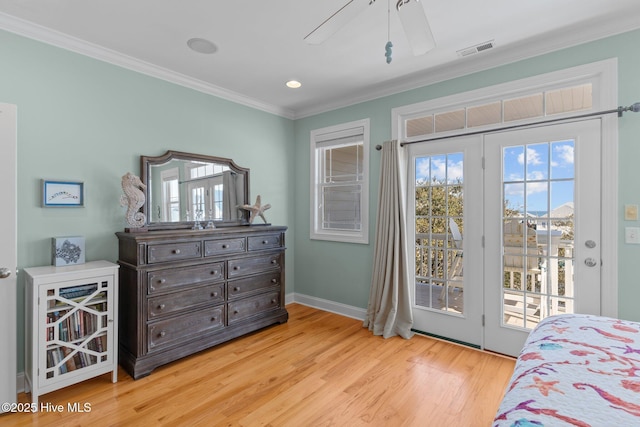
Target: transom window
x,y
503,111
201,170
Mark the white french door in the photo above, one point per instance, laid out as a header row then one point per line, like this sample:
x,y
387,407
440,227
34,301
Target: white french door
x,y
8,257
510,244
445,187
542,228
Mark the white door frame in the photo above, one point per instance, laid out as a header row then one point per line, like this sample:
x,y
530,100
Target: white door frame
x,y
8,256
604,75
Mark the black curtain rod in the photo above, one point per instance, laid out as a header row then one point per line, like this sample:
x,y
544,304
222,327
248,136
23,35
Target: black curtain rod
x,y
634,108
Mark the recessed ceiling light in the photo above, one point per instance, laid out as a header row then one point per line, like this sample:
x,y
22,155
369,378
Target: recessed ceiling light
x,y
201,45
293,84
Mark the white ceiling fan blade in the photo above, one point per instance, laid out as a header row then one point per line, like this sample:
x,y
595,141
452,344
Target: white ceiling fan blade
x,y
416,26
336,21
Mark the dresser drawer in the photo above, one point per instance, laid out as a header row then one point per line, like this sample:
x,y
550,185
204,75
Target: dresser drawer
x,y
170,279
171,331
266,241
166,304
173,252
226,246
257,264
251,285
248,307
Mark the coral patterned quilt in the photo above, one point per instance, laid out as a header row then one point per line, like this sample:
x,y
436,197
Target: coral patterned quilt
x,y
576,370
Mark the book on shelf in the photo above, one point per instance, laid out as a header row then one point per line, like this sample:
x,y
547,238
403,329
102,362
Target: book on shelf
x,y
70,363
80,359
51,318
78,291
62,303
76,323
77,361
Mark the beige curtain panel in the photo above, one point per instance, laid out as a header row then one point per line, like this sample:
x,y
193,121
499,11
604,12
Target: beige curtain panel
x,y
389,311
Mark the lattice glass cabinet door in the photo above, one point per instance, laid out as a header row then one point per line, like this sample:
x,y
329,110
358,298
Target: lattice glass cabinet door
x,y
72,320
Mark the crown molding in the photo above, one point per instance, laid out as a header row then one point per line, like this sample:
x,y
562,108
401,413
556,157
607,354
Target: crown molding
x,y
551,42
67,42
564,38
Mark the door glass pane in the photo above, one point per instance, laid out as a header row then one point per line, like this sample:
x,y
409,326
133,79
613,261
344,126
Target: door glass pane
x,y
439,229
513,166
536,161
562,159
537,239
197,203
537,198
218,202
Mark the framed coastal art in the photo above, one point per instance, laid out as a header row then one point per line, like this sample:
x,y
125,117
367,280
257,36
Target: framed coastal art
x,y
62,193
67,250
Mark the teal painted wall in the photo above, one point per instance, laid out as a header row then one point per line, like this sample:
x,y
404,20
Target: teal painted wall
x,y
342,272
83,119
79,118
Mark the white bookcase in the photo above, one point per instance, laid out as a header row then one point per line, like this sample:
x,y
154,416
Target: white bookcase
x,y
71,325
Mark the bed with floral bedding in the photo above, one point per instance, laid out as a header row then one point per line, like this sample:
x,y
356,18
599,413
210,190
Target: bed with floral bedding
x,y
576,370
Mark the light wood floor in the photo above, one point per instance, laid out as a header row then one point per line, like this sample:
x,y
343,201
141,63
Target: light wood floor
x,y
319,369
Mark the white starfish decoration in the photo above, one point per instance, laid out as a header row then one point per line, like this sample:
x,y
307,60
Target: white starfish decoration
x,y
256,210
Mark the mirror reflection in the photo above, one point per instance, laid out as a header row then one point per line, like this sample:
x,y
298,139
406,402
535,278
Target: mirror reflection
x,y
184,187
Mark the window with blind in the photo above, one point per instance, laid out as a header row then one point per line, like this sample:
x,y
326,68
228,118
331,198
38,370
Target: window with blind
x,y
340,182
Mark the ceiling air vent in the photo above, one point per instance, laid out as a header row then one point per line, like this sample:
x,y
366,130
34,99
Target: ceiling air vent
x,y
476,49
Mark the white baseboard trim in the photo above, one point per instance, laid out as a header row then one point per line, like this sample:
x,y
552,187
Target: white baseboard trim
x,y
289,298
327,305
20,382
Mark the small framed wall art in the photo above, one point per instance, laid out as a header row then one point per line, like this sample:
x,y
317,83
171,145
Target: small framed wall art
x,y
67,250
62,193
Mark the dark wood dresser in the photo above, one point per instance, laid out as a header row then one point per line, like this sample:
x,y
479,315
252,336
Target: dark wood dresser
x,y
182,291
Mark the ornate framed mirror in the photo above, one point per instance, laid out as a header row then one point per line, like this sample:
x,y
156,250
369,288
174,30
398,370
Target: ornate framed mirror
x,y
183,188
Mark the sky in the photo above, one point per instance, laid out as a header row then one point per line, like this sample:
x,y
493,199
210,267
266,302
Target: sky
x,y
542,171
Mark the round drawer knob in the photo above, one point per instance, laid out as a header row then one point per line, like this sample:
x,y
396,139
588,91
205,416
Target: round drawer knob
x,y
273,301
162,281
176,251
161,307
213,272
235,267
213,319
225,246
236,289
162,334
264,242
235,312
274,281
214,294
273,261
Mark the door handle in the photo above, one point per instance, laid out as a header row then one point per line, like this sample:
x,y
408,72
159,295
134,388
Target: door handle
x,y
4,273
